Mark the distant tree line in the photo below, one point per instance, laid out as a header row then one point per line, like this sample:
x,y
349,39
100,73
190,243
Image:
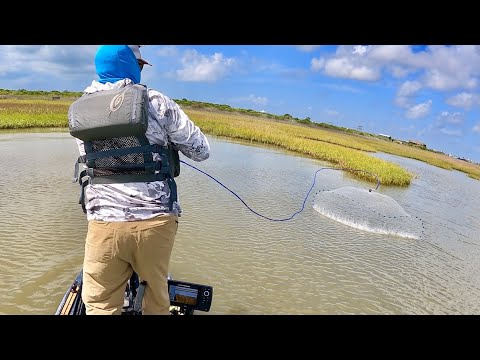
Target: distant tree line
x,y
40,92
306,121
192,104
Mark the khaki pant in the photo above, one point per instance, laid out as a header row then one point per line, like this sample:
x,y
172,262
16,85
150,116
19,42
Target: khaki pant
x,y
113,250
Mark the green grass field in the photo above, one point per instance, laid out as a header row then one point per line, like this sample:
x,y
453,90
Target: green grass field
x,y
344,149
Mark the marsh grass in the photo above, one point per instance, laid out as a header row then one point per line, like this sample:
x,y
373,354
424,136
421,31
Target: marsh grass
x,y
345,150
23,113
430,157
339,149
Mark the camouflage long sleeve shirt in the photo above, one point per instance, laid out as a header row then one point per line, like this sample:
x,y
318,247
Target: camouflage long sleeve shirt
x,y
137,201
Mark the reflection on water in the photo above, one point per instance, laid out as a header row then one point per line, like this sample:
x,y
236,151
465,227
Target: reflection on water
x,y
307,265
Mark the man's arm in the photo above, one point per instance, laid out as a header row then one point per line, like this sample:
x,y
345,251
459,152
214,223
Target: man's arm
x,y
181,131
81,147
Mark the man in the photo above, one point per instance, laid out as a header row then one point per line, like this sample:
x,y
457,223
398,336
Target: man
x,y
132,224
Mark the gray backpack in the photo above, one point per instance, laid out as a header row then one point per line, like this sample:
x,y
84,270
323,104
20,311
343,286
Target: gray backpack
x,y
112,126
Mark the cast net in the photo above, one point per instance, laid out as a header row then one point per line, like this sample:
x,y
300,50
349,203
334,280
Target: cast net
x,y
369,211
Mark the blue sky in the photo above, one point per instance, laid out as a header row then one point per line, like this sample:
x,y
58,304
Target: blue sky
x,y
425,93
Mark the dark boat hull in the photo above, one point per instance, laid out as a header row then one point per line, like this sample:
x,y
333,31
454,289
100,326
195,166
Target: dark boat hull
x,y
198,297
72,303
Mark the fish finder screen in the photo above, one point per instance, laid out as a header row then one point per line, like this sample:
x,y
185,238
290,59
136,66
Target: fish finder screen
x,y
183,295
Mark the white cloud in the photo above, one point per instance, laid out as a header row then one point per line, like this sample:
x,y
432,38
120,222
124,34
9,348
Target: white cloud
x,y
199,67
331,112
439,67
451,67
345,68
168,51
406,91
418,111
51,60
257,100
359,49
409,88
399,71
399,54
438,80
451,132
448,123
450,118
351,62
317,64
425,130
463,100
476,128
260,100
307,48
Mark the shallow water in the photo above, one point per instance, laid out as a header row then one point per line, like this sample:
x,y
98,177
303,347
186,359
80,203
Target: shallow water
x,y
310,264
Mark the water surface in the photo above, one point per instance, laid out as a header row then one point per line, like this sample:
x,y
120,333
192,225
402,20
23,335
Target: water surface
x,y
307,265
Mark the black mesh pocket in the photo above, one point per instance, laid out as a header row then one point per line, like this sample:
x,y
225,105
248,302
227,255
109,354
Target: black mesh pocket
x,y
122,164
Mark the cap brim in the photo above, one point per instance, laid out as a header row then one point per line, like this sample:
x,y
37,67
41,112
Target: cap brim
x,y
141,61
